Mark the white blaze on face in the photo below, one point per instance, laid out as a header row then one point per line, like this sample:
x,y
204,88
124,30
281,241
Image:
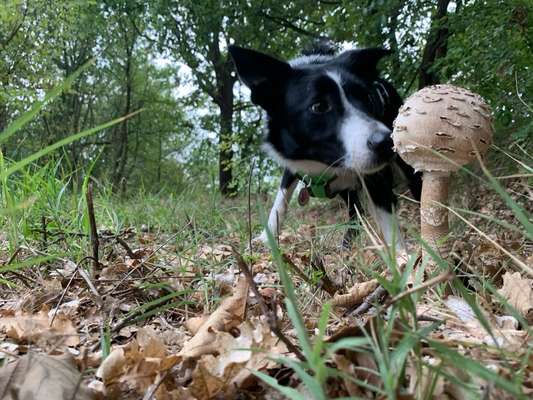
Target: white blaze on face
x,y
355,131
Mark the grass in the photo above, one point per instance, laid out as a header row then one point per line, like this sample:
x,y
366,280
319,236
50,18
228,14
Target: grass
x,y
396,341
45,223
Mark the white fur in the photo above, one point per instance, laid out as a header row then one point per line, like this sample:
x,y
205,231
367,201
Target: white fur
x,y
278,211
310,59
355,132
390,231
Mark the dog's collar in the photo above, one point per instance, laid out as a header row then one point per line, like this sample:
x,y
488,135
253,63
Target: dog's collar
x,y
317,185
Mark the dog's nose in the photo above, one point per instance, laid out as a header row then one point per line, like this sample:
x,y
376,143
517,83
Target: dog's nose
x,y
381,142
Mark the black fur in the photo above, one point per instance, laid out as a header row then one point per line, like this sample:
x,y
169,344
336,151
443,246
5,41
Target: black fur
x,y
308,114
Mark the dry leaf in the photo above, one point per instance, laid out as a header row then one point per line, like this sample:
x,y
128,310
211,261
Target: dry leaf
x,y
26,327
356,295
40,376
137,366
471,330
348,368
193,324
231,368
518,292
229,314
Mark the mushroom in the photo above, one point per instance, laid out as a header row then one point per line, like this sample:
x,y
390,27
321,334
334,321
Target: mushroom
x,y
439,129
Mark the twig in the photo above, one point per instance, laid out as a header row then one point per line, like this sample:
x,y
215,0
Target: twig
x,y
328,288
13,256
123,243
125,277
267,312
66,288
45,233
153,387
376,295
445,277
92,288
24,279
92,223
250,208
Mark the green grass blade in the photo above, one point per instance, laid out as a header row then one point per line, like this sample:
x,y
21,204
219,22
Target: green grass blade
x,y
34,110
519,213
22,163
309,381
287,391
476,368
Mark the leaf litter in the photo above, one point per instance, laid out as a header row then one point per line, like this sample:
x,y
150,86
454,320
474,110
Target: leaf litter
x,y
182,323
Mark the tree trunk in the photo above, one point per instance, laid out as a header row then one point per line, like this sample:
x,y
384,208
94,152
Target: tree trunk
x,y
121,154
436,45
225,152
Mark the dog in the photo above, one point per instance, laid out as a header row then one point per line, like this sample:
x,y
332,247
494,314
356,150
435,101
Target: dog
x,y
329,123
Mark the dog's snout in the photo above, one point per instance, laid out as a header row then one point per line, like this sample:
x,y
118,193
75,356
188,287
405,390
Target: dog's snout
x,y
380,141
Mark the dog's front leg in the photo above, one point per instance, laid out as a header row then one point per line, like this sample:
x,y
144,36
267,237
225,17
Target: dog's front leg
x,y
351,199
279,209
379,187
389,228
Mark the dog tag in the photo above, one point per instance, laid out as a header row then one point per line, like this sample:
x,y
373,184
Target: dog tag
x,y
303,196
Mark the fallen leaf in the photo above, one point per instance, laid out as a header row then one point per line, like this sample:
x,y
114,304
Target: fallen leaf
x,y
40,376
518,292
230,370
356,295
229,314
138,365
26,327
194,324
470,329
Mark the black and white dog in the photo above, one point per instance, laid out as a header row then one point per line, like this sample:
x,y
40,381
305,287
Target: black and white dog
x,y
329,115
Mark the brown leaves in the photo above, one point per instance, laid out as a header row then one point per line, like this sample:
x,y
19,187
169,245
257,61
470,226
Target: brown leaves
x,y
227,315
26,327
137,366
40,376
230,369
518,292
356,295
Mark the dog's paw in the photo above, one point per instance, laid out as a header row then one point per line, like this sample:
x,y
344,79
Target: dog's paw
x,y
262,239
259,243
348,240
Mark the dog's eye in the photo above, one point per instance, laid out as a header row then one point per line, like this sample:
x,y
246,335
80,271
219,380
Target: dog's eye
x,y
320,107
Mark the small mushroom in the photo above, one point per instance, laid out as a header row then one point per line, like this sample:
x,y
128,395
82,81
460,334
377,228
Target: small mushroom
x,y
439,129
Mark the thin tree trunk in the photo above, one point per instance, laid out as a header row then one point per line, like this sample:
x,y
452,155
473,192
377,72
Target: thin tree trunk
x,y
436,45
121,155
225,154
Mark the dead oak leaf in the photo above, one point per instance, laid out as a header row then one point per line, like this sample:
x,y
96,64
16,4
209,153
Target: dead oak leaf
x,y
518,292
229,314
137,366
41,376
27,327
230,369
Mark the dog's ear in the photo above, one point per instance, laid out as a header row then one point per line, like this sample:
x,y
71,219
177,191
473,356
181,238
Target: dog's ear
x,y
363,62
263,74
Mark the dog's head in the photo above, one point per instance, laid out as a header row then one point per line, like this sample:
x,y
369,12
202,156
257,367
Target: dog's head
x,y
323,111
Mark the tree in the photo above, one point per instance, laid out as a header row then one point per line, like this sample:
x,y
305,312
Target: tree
x,y
198,33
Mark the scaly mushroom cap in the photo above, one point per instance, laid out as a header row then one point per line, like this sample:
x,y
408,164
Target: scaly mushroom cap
x,y
446,119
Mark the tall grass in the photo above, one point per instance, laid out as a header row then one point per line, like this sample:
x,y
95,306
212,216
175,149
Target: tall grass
x,y
396,338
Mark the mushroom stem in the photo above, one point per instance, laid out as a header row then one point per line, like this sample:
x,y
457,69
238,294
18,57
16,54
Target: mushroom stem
x,y
434,218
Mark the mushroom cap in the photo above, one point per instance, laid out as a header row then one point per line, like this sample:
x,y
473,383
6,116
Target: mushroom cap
x,y
442,120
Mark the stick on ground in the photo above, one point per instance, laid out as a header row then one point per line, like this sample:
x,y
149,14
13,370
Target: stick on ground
x,y
92,222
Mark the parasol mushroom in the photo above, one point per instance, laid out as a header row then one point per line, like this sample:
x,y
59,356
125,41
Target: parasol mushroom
x,y
439,129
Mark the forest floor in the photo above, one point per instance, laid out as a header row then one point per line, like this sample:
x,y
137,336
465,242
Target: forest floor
x,y
168,313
